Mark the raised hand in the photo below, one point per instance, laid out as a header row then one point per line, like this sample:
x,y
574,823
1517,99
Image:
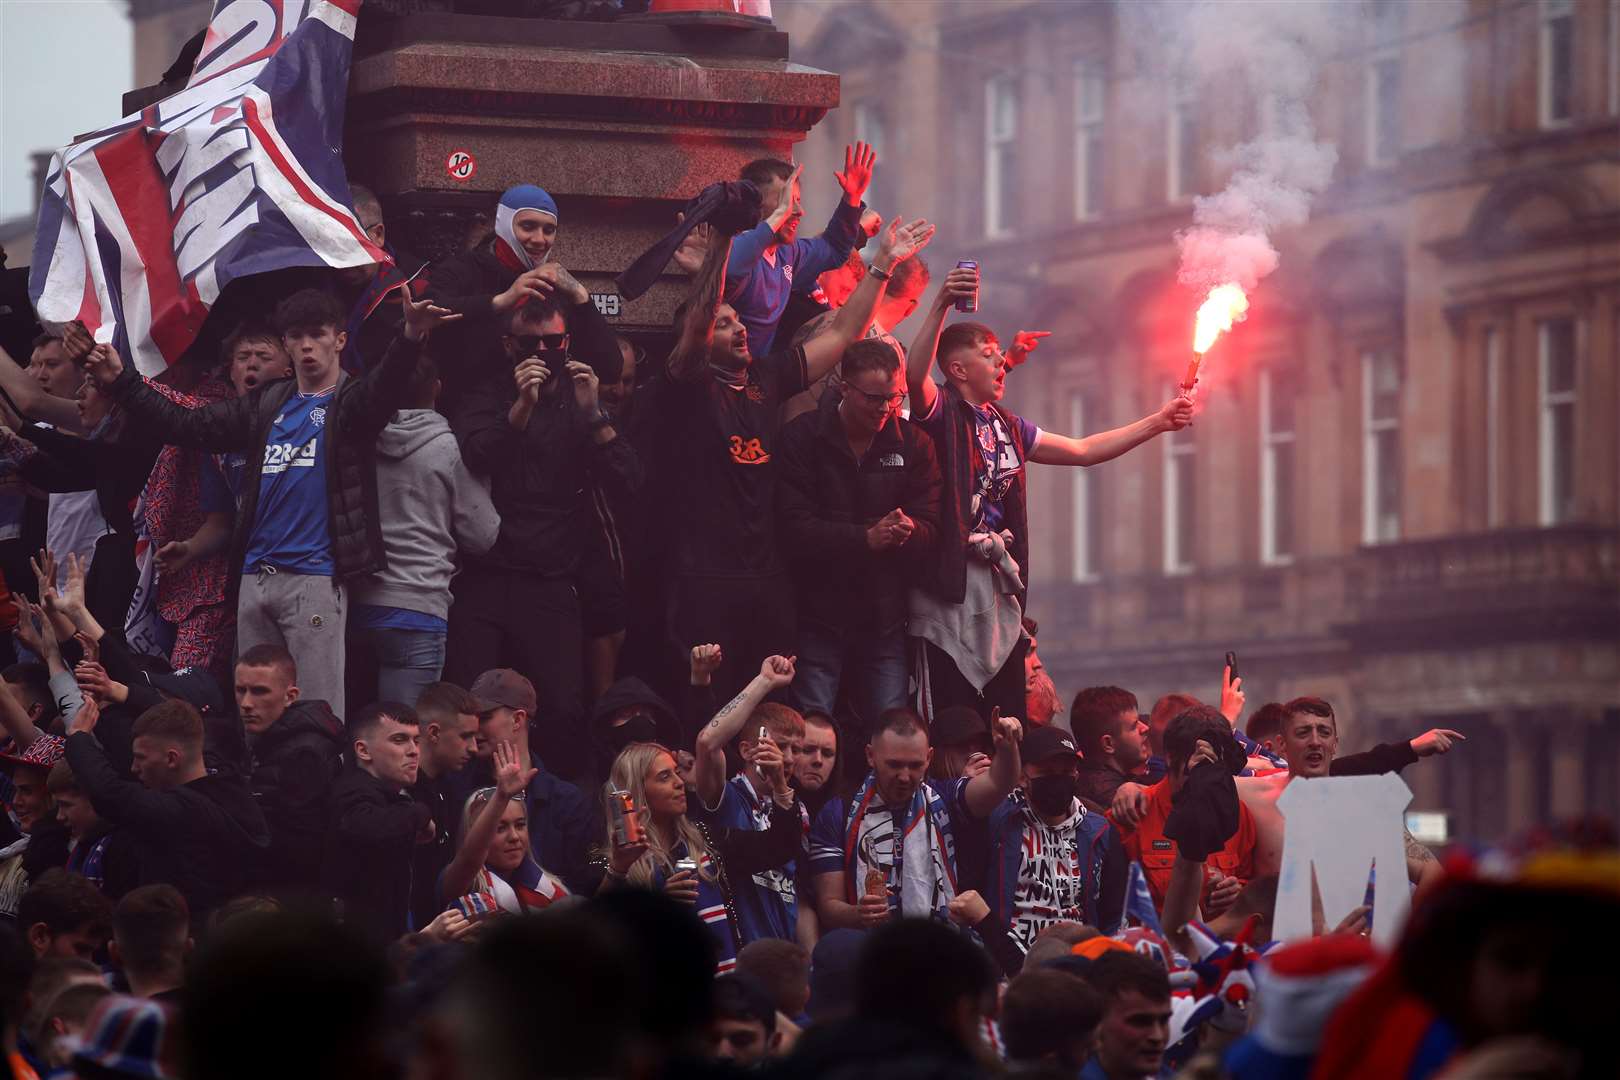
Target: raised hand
x,y
1005,729
706,660
695,248
77,342
94,682
1176,413
104,365
901,242
1437,741
421,316
31,626
1232,698
529,285
560,279
859,161
87,717
531,375
586,386
71,602
1024,342
45,575
778,671
962,283
511,775
789,203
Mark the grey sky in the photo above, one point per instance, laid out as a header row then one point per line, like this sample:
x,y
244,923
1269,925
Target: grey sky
x,y
63,66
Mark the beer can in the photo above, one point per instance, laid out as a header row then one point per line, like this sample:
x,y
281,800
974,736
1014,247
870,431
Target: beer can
x,y
688,865
968,306
626,825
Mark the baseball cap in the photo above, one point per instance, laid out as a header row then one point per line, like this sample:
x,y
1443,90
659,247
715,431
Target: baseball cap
x,y
503,688
1047,742
192,685
958,724
42,753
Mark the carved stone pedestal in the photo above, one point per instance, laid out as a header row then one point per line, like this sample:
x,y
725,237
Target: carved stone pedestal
x,y
621,122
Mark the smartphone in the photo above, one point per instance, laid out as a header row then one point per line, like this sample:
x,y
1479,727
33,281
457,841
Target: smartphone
x,y
1231,662
763,734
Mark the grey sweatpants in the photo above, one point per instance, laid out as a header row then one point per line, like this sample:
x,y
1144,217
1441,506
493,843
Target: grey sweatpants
x,y
303,613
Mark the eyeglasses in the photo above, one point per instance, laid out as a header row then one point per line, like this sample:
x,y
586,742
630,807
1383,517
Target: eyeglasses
x,y
532,343
886,400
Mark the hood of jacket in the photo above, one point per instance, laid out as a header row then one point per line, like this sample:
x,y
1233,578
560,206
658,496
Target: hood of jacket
x,y
410,430
628,692
302,718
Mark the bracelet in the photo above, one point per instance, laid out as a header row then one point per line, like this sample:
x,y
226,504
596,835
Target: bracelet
x,y
878,272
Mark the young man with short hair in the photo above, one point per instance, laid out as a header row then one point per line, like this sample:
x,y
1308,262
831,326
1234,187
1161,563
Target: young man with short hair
x,y
151,935
1135,1027
1049,1021
541,437
375,824
890,848
857,503
449,718
1112,738
95,848
564,825
1051,859
815,768
716,421
295,749
983,449
63,915
769,261
199,831
743,1030
308,524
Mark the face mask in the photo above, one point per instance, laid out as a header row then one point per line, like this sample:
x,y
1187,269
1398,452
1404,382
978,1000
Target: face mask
x,y
634,730
1052,795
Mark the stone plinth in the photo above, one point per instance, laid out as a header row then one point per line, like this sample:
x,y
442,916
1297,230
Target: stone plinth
x,y
621,122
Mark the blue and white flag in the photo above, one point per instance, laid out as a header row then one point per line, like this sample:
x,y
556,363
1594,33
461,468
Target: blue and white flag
x,y
1139,901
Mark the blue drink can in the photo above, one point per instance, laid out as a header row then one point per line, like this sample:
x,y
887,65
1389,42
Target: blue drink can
x,y
968,306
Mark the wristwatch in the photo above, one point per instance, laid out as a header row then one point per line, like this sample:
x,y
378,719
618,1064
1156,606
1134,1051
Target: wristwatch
x,y
878,272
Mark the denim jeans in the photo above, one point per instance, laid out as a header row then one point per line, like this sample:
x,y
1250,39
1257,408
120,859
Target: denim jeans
x,y
870,664
407,661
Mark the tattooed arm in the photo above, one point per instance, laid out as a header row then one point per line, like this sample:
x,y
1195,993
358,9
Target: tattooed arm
x,y
1422,868
709,772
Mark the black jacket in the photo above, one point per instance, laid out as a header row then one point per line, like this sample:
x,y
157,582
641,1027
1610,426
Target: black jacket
x,y
467,283
361,409
202,837
291,769
825,502
370,846
539,476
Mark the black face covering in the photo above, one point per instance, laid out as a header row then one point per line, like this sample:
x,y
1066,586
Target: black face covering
x,y
639,728
1052,795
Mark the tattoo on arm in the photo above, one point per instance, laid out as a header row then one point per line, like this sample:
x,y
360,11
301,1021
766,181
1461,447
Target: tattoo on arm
x,y
1415,850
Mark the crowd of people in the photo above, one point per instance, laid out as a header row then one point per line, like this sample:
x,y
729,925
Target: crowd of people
x,y
442,685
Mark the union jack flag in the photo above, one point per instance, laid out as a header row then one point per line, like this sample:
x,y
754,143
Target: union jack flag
x,y
145,222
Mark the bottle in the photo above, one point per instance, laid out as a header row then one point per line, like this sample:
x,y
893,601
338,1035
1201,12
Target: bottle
x,y
970,306
626,824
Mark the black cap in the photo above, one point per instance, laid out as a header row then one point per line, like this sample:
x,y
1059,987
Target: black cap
x,y
958,724
192,685
1044,743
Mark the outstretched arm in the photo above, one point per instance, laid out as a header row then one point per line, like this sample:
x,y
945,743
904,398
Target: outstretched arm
x,y
511,778
961,283
709,769
900,242
1053,449
985,791
691,350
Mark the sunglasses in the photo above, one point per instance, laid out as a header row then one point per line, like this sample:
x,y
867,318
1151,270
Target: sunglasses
x,y
532,343
887,400
484,794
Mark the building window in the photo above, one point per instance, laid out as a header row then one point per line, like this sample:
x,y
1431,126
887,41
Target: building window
x,y
1556,341
1278,399
1557,68
1614,56
1493,428
1182,171
871,129
1180,500
1381,446
1001,155
1086,525
1384,109
1090,88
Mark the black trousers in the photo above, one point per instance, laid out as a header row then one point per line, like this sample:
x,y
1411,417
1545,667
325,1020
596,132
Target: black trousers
x,y
1005,690
749,618
502,618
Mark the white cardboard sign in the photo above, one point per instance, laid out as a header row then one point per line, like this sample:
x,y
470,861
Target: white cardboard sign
x,y
1343,826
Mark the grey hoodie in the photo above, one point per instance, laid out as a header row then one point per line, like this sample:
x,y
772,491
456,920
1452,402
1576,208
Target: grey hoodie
x,y
432,506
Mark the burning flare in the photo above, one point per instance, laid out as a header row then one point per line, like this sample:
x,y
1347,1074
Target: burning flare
x,y
1225,305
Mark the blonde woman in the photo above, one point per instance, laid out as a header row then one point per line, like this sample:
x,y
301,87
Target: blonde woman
x,y
649,773
494,858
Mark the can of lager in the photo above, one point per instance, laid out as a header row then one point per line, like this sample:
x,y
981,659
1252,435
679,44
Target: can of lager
x,y
970,305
